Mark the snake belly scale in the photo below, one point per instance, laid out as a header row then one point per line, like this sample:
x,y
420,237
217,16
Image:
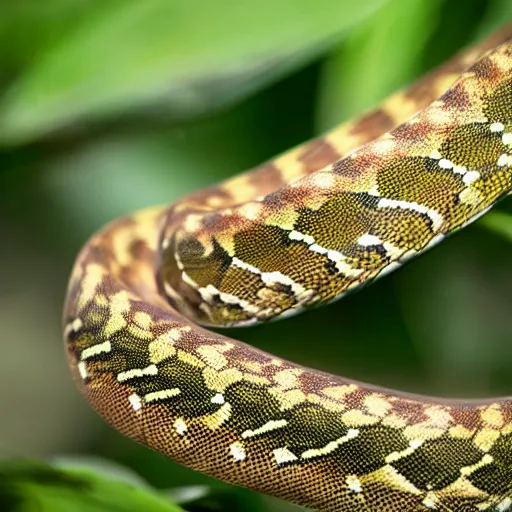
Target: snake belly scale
x,y
299,231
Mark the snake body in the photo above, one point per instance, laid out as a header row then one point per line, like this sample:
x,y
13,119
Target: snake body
x,y
299,231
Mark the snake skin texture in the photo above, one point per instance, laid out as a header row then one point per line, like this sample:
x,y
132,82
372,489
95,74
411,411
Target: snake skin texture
x,y
299,231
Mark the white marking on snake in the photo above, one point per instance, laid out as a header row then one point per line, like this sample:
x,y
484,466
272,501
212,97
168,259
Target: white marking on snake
x,y
505,505
448,164
272,278
171,292
445,164
73,326
459,169
368,240
301,237
246,266
271,425
161,395
187,279
497,127
430,501
330,447
100,348
318,248
486,459
374,191
340,259
180,426
209,292
413,446
504,160
135,401
434,216
137,372
335,256
82,369
471,177
507,138
353,483
283,455
218,399
219,417
237,451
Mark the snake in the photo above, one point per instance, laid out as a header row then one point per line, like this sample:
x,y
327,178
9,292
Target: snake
x,y
299,231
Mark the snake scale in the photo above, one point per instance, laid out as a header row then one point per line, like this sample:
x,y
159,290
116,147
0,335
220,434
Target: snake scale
x,y
298,231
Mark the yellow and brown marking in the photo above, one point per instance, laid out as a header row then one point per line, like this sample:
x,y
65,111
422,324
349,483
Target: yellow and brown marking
x,y
303,230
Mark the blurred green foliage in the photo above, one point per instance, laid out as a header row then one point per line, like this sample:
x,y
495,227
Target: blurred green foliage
x,y
109,106
31,486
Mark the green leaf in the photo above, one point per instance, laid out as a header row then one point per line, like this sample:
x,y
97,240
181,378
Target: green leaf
x,y
28,25
27,486
498,13
225,498
371,64
185,55
499,223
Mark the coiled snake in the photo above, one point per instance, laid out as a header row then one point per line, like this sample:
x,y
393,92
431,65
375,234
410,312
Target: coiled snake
x,y
302,230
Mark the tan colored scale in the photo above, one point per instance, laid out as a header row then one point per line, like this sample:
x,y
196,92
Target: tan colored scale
x,y
302,230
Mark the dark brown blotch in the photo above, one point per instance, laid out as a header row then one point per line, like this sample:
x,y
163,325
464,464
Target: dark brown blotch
x,y
352,167
372,125
457,97
266,178
486,69
317,155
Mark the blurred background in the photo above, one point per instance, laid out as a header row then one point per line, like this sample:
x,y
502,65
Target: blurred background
x,y
110,106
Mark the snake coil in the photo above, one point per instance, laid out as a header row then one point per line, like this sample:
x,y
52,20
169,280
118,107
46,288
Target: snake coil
x,y
298,231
